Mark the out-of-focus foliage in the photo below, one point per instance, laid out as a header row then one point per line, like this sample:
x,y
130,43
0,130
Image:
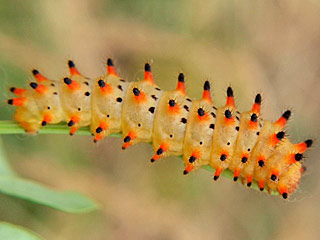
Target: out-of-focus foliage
x,y
267,46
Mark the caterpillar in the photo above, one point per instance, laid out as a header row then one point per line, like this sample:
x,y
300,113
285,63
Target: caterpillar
x,y
252,148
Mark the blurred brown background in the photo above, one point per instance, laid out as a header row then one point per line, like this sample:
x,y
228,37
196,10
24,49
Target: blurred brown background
x,y
267,46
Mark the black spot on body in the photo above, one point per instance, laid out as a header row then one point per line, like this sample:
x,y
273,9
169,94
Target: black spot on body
x,y
119,99
186,108
237,128
86,83
223,157
184,120
120,87
201,112
189,100
122,80
211,126
136,91
280,135
298,156
158,89
258,133
213,114
172,103
254,117
87,94
244,159
151,109
154,97
55,93
192,159
52,85
228,114
101,83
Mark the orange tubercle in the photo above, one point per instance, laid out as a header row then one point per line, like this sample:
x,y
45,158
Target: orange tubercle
x,y
207,96
73,130
17,101
18,91
148,74
261,184
189,168
175,109
111,70
141,98
38,76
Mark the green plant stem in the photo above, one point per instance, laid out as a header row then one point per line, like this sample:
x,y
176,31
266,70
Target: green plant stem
x,y
11,127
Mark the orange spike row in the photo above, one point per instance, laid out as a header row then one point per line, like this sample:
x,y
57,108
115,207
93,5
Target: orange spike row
x,y
148,74
302,147
38,87
38,76
72,68
73,120
261,184
249,180
253,123
188,169
110,67
47,118
173,107
229,119
18,91
217,173
230,98
236,174
206,95
139,96
283,192
105,87
202,115
276,138
164,147
128,140
17,101
181,85
73,85
257,104
284,118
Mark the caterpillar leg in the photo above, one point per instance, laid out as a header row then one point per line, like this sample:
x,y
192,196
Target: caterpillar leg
x,y
249,180
128,140
18,91
188,169
236,174
17,101
164,147
72,123
217,173
261,184
100,131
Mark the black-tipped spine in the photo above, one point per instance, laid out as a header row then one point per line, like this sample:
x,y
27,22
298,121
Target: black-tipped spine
x,y
206,86
147,67
229,92
110,62
181,77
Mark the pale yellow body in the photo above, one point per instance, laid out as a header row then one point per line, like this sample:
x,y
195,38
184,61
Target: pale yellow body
x,y
106,109
168,128
137,120
75,103
198,134
224,138
246,140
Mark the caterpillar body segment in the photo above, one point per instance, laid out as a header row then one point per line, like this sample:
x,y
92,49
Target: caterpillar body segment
x,y
255,150
139,111
108,93
225,135
39,105
248,132
76,100
197,142
170,122
269,138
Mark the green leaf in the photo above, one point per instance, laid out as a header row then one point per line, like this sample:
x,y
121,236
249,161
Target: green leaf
x,y
66,201
5,168
10,231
